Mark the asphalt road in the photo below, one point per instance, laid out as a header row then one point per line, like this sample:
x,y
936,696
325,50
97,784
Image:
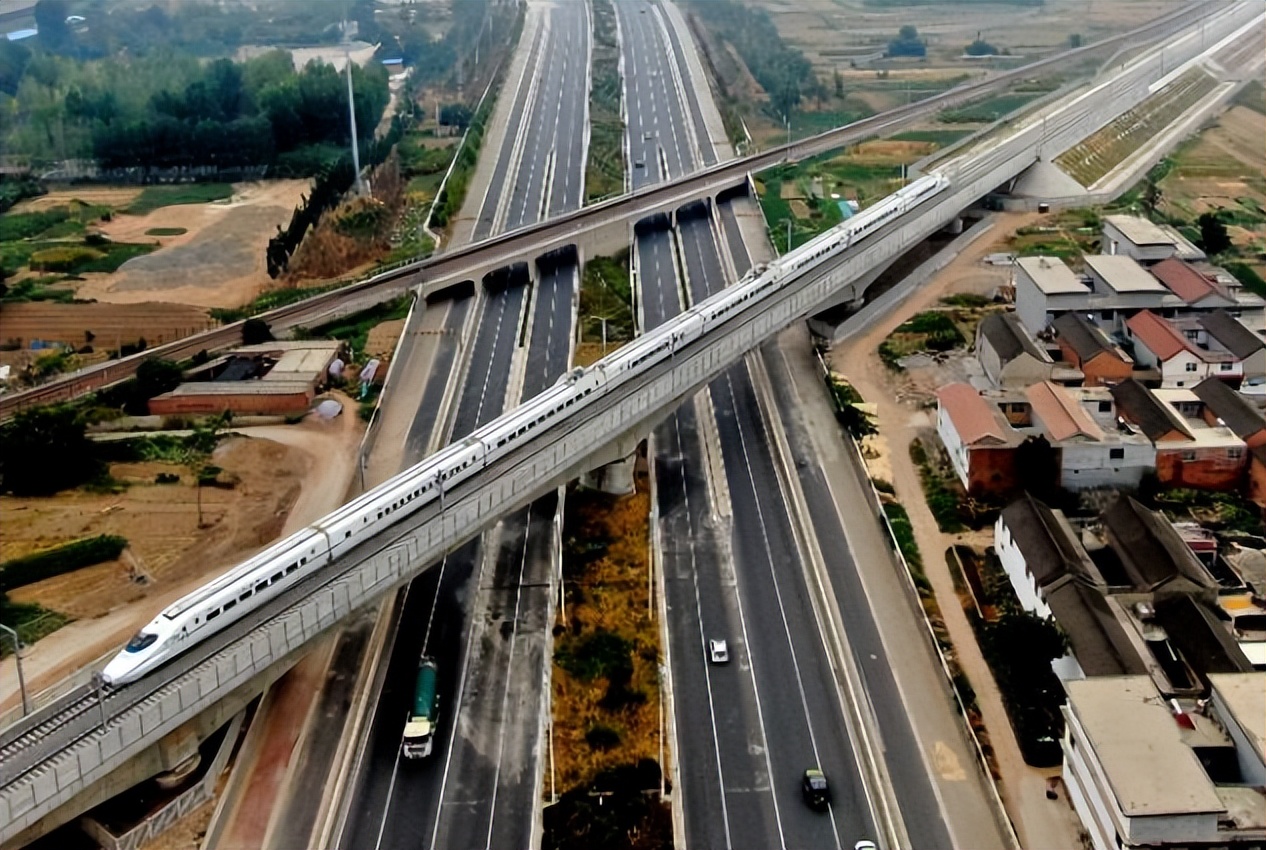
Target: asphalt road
x,y
479,787
745,732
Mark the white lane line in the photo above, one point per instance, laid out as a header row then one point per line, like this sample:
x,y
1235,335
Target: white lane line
x,y
782,611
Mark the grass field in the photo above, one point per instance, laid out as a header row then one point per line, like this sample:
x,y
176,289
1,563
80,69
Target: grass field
x,y
1088,162
154,197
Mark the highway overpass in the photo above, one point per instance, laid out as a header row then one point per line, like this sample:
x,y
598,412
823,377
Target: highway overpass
x,y
52,766
594,230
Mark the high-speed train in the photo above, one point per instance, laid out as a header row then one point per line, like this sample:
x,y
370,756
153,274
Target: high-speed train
x,y
254,582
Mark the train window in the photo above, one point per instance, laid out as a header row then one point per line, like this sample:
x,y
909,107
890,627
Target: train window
x,y
303,560
380,514
246,595
261,586
231,603
277,576
290,569
213,614
346,534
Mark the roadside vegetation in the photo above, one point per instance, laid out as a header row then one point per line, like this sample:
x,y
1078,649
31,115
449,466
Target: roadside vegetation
x,y
1019,648
57,244
931,331
1091,160
606,292
604,170
818,193
607,736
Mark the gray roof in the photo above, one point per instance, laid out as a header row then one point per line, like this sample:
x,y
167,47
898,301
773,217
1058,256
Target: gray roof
x,y
1231,407
1083,337
1097,638
1203,639
1142,408
1138,230
1150,549
1233,336
1050,550
1007,337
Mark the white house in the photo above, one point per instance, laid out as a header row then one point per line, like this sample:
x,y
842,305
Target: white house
x,y
1178,354
1143,771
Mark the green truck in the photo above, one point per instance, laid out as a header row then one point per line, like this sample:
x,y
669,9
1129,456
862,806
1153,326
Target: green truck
x,y
419,729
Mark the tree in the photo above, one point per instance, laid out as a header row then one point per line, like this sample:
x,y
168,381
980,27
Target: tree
x,y
907,43
155,377
50,20
255,331
839,84
1213,236
43,450
980,47
456,115
1075,40
1151,197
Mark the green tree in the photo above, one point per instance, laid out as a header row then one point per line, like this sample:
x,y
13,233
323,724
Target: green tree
x,y
1213,236
44,450
1075,40
1151,197
839,84
155,377
50,20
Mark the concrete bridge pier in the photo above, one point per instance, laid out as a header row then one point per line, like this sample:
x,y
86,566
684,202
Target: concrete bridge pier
x,y
617,465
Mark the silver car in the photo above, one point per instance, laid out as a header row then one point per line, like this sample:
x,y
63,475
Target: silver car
x,y
718,652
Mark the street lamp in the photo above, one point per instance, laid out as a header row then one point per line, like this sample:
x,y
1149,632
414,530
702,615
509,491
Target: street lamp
x,y
17,657
602,319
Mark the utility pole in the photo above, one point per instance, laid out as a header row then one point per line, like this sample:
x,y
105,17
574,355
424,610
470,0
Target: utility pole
x,y
17,657
351,114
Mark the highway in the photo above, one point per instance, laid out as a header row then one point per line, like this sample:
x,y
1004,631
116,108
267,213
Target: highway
x,y
454,265
732,570
484,614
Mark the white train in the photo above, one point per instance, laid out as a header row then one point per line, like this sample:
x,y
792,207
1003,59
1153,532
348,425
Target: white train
x,y
254,582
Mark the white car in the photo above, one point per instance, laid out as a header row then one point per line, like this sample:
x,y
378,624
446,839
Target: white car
x,y
718,652
864,845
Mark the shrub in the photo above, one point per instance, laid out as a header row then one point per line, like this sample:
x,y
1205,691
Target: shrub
x,y
43,450
602,737
255,331
62,559
62,259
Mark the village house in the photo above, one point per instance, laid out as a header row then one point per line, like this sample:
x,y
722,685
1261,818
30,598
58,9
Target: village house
x,y
1177,352
1008,355
1083,345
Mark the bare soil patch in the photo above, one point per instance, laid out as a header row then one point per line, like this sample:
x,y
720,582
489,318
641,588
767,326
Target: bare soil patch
x,y
285,477
116,197
217,262
104,326
383,337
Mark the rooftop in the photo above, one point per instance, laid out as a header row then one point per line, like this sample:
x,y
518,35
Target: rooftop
x,y
975,420
1138,230
1226,404
1245,697
1007,337
1165,340
1204,435
1059,413
1140,405
1052,276
1139,744
1184,281
228,388
1097,638
1231,334
1051,549
1150,549
1123,274
1085,338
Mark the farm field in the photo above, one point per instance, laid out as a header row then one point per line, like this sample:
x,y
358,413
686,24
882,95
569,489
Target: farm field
x,y
108,326
282,477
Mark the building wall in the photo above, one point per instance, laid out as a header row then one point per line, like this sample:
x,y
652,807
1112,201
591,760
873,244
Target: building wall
x,y
1252,762
1013,562
991,471
1185,369
1030,302
1114,242
1257,481
1205,469
1254,366
1023,371
1085,465
1104,370
953,444
246,404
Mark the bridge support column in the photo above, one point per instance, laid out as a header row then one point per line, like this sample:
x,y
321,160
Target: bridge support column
x,y
955,227
615,478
